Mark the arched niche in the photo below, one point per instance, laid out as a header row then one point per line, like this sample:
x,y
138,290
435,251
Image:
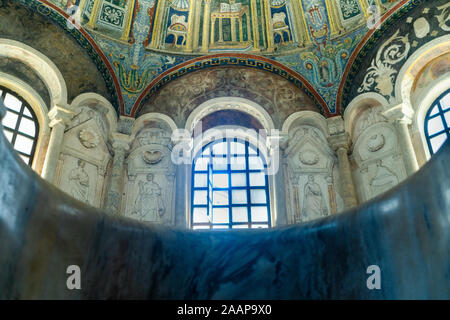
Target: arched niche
x,y
85,154
153,117
150,175
247,121
305,117
99,103
358,106
311,178
378,163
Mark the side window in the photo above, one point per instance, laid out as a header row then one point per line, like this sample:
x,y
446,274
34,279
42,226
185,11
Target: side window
x,y
20,125
437,122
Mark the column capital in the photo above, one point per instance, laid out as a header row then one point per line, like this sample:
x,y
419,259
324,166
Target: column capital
x,y
125,125
276,140
335,125
338,138
283,140
339,141
120,141
60,114
400,113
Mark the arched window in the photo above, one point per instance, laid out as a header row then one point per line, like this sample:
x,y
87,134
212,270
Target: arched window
x,y
20,125
437,122
229,186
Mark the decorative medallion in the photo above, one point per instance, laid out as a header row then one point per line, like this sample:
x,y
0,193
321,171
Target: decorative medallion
x,y
309,157
88,138
376,142
152,157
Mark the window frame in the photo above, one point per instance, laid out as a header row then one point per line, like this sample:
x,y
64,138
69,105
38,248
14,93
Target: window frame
x,y
21,114
248,204
440,114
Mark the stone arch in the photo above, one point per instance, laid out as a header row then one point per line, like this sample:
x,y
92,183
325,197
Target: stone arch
x,y
307,118
412,67
229,103
42,65
140,122
358,105
97,101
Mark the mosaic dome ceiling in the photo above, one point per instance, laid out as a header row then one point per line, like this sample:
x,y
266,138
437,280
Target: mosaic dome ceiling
x,y
147,43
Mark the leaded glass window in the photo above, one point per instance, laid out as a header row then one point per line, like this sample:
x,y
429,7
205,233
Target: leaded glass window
x,y
230,187
20,125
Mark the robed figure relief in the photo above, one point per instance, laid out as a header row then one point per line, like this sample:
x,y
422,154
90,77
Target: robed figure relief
x,y
149,205
383,180
314,205
79,182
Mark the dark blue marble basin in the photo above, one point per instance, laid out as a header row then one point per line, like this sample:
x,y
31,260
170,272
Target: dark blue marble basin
x,y
404,232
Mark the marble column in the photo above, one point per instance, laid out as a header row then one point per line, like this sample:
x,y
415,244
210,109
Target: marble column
x,y
59,119
206,20
339,141
278,143
120,144
401,117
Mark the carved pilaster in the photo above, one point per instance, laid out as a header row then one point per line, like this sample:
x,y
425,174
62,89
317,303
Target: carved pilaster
x,y
401,116
60,117
120,145
339,141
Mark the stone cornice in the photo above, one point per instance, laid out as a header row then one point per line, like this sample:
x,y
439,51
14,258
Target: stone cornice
x,y
60,114
120,141
401,113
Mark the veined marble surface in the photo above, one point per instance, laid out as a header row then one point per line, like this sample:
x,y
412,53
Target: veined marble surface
x,y
43,231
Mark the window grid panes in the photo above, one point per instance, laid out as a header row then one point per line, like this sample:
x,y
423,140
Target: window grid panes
x,y
20,125
437,122
229,187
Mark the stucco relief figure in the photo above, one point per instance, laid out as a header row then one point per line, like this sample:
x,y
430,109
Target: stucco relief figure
x,y
149,205
79,183
383,180
314,205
